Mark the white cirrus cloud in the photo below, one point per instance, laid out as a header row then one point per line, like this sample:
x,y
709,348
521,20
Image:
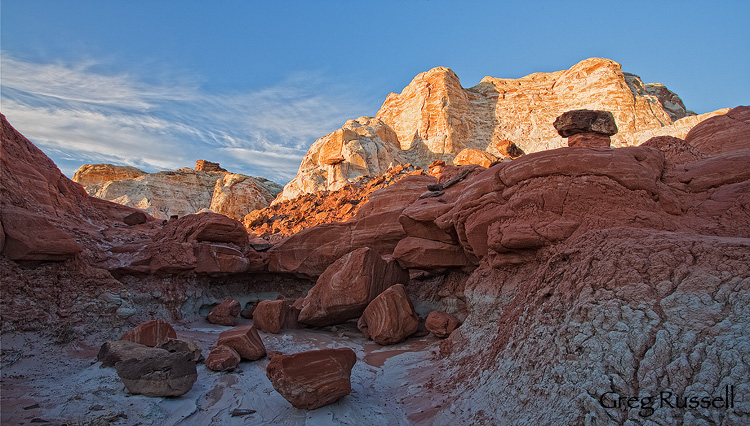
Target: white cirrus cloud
x,y
78,115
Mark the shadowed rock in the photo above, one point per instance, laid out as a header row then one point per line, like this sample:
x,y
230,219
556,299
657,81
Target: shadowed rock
x,y
312,379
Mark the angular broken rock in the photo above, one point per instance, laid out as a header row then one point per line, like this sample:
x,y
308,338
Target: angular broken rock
x,y
222,358
273,315
225,313
245,340
135,218
441,324
115,351
150,333
177,345
347,286
158,372
312,379
585,121
390,318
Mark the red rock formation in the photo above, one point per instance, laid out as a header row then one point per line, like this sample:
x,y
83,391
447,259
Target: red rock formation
x,y
207,166
346,287
222,358
150,333
313,379
390,317
271,316
375,226
225,313
441,324
723,133
245,340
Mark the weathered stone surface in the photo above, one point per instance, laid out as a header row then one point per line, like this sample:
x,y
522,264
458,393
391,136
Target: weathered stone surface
x,y
429,255
208,166
346,287
390,317
210,227
225,313
150,333
213,258
675,150
435,118
235,195
114,351
441,324
178,192
30,236
469,156
309,380
92,174
135,218
177,345
585,121
362,147
160,373
222,358
589,140
271,316
723,133
245,340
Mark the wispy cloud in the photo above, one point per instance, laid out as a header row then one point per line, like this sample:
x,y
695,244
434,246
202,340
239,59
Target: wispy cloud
x,y
73,112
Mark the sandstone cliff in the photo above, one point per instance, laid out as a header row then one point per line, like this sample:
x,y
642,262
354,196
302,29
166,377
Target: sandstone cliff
x,y
178,192
435,118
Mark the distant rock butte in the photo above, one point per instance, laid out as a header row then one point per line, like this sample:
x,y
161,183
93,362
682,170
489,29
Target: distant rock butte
x,y
435,118
178,192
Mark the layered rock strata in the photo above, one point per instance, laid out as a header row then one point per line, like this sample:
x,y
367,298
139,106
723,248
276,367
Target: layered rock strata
x,y
178,192
435,118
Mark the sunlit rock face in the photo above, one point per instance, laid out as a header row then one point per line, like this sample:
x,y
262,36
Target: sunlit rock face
x,y
178,192
436,118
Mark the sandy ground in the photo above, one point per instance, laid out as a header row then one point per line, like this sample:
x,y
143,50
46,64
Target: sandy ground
x,y
47,383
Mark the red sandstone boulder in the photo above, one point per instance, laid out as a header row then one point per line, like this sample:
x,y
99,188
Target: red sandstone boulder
x,y
271,316
222,358
245,340
418,220
159,373
312,379
441,324
390,318
225,313
347,286
150,333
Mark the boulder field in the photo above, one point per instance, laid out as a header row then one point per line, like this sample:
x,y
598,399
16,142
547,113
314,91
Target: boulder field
x,y
566,280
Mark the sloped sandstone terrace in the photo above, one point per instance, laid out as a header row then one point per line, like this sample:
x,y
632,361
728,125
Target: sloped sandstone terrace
x,y
581,284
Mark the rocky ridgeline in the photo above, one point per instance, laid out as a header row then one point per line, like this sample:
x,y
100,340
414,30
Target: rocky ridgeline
x,y
435,118
208,187
576,272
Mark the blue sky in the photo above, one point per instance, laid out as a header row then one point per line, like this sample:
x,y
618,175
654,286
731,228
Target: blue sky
x,y
251,84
